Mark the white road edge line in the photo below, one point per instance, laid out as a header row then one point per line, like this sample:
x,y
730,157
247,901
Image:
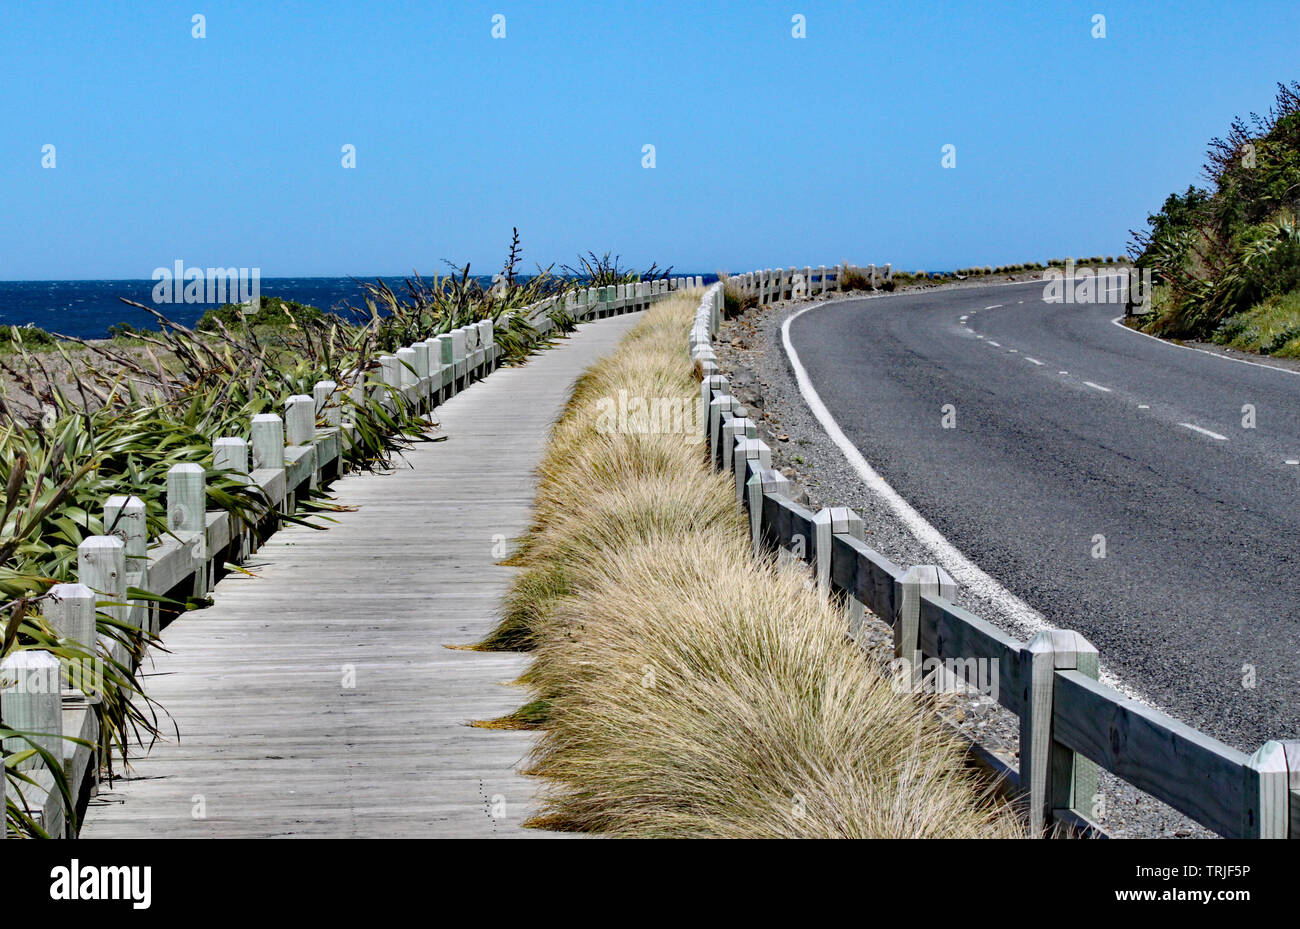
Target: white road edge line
x,y
1097,386
1212,435
1118,321
964,571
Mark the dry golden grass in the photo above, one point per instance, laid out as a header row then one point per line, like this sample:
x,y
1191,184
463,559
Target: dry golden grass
x,y
685,688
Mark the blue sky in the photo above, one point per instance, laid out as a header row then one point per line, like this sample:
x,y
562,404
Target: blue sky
x,y
769,150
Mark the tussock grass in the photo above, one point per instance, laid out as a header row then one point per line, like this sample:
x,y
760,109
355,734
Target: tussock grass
x,y
683,687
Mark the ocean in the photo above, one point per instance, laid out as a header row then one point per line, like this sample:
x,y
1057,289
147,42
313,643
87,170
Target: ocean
x,y
85,309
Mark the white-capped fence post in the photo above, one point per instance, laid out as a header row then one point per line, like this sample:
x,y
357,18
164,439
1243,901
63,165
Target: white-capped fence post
x,y
406,374
447,358
717,406
187,517
1052,776
710,383
736,425
462,361
230,453
749,453
761,483
33,703
70,610
915,582
828,523
1275,768
300,420
326,403
268,441
101,566
124,517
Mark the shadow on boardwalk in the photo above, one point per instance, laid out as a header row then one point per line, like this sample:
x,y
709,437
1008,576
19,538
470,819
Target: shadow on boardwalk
x,y
273,740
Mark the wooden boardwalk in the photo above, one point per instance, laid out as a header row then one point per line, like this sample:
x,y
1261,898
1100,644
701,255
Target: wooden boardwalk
x,y
274,741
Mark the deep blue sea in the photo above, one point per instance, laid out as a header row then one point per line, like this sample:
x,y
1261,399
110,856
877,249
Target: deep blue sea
x,y
86,309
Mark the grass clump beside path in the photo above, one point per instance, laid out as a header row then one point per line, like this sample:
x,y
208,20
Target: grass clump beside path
x,y
684,688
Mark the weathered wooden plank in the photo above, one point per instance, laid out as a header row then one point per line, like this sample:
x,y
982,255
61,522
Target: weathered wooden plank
x,y
171,561
788,525
300,466
864,573
948,631
273,483
1195,774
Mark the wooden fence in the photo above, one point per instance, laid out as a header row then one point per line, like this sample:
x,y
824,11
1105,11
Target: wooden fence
x,y
1070,723
284,456
774,285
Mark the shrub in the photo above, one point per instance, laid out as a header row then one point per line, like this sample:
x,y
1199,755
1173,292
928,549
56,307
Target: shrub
x,y
30,336
272,311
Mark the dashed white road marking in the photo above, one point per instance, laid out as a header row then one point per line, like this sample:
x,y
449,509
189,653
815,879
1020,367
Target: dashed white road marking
x,y
1212,435
1033,361
995,344
1144,406
1013,351
1097,386
996,306
1292,461
1062,372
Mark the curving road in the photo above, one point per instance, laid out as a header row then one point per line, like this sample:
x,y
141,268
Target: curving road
x,y
1072,437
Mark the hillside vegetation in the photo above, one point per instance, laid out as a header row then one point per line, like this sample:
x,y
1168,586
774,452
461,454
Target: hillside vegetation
x,y
1226,258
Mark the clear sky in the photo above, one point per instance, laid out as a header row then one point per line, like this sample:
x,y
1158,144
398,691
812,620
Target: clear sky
x,y
769,150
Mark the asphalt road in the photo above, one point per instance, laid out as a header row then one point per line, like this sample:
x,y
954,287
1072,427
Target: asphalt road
x,y
1071,433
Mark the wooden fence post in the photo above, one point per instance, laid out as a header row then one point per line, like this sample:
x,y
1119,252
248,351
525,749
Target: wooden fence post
x,y
101,566
828,523
1051,776
915,582
268,441
1273,780
299,420
761,483
749,453
710,383
717,406
230,453
124,518
70,610
326,403
33,703
187,517
736,425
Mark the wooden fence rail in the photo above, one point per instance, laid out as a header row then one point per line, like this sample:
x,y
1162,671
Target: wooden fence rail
x,y
285,457
1070,723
